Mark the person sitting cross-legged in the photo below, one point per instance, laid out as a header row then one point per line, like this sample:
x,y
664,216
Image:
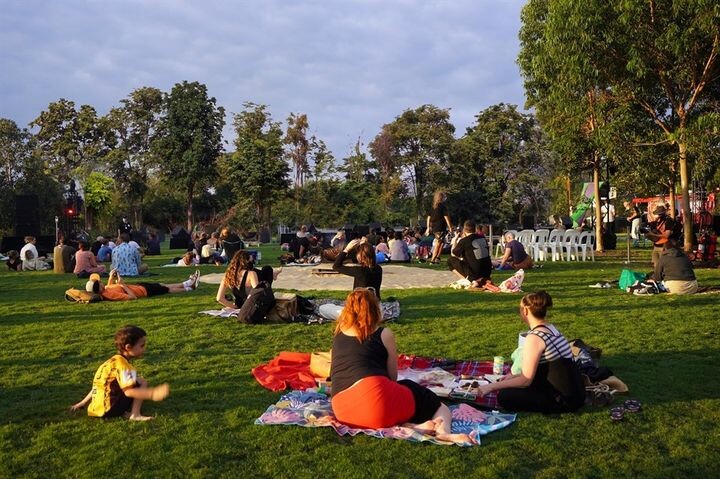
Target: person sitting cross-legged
x,y
515,254
85,261
126,258
471,258
366,392
675,270
550,381
241,277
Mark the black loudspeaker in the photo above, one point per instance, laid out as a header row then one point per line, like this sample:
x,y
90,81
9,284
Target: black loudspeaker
x,y
287,237
27,221
362,230
528,222
716,224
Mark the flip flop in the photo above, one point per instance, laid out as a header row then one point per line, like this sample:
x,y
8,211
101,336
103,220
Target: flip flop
x,y
617,413
632,405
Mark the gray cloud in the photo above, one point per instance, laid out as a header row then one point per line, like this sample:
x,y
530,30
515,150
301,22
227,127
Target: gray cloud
x,y
350,65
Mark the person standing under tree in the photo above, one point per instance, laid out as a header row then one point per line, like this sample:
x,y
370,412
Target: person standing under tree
x,y
634,219
125,227
438,221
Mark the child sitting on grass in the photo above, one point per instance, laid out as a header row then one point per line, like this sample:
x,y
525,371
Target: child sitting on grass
x,y
117,389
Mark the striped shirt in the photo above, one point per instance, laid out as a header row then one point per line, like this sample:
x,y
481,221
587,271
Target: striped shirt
x,y
556,346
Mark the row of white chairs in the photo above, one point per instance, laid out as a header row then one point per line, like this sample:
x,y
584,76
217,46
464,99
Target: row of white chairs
x,y
558,244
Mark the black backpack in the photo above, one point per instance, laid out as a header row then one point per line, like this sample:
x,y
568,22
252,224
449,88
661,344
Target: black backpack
x,y
257,304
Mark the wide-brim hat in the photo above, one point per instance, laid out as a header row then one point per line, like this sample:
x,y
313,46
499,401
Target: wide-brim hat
x,y
659,210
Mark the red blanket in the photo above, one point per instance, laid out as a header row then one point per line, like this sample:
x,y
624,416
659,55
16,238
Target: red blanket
x,y
287,370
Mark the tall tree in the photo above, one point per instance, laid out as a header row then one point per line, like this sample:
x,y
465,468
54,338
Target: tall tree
x,y
189,139
422,139
298,146
70,139
256,170
356,165
15,149
659,56
383,153
134,126
500,167
98,195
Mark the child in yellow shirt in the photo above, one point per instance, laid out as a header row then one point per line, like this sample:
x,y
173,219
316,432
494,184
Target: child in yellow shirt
x,y
117,389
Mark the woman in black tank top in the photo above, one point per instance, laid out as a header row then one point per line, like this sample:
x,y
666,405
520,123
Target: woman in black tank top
x,y
366,392
550,382
240,277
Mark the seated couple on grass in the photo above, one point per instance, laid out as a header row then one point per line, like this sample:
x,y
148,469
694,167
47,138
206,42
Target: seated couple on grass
x,y
117,290
367,394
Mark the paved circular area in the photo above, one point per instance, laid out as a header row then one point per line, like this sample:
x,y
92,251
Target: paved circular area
x,y
394,277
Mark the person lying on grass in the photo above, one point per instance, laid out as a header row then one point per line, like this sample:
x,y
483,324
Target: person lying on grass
x,y
366,392
117,389
117,290
550,381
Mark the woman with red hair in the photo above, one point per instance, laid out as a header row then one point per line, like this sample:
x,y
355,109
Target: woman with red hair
x,y
366,392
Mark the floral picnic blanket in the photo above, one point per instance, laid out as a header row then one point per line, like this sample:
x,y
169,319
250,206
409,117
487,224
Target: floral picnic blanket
x,y
292,370
311,409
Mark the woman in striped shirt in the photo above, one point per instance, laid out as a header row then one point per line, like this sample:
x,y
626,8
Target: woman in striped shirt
x,y
550,381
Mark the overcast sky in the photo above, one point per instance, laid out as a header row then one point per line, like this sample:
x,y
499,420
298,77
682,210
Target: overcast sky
x,y
352,66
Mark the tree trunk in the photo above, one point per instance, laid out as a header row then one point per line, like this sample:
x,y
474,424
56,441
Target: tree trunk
x,y
88,218
673,211
688,235
568,190
419,190
599,246
189,208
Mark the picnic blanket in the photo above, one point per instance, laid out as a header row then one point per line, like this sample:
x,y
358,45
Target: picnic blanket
x,y
292,370
311,409
390,311
286,370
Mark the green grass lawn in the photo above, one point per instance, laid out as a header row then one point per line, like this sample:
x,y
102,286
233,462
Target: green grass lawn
x,y
665,348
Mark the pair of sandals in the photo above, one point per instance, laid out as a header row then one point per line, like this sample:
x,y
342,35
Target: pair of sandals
x,y
617,414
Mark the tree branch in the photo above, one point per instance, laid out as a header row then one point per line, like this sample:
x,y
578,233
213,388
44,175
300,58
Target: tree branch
x,y
706,71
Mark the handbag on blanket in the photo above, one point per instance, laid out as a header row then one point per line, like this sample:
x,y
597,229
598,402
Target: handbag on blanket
x,y
285,310
257,304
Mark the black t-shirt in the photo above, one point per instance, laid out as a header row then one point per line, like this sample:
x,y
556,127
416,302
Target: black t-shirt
x,y
353,360
364,277
474,250
437,218
125,228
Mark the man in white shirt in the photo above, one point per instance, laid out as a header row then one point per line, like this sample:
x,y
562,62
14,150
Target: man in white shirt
x,y
607,210
30,257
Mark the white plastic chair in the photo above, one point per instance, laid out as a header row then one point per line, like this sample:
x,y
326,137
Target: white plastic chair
x,y
552,243
587,243
500,247
525,237
570,243
539,240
